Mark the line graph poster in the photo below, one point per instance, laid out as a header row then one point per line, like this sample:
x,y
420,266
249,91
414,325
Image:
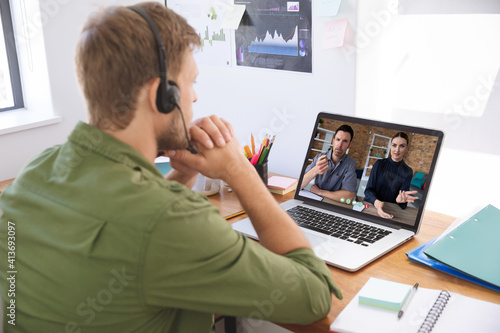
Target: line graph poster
x,y
275,34
206,18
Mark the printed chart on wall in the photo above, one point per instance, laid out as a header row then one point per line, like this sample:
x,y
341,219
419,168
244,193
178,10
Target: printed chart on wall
x,y
275,34
206,18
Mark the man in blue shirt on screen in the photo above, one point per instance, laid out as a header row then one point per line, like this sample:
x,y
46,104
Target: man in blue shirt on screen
x,y
334,173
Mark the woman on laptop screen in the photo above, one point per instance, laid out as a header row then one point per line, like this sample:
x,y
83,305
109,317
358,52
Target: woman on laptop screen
x,y
390,178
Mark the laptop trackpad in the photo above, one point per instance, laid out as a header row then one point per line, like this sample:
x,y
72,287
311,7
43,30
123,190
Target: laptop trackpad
x,y
314,239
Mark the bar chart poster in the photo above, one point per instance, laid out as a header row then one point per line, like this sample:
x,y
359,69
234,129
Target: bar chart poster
x,y
206,18
275,35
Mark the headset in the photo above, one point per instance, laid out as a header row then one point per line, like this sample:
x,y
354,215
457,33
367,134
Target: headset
x,y
168,94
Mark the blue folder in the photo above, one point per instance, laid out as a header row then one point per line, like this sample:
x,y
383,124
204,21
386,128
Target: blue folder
x,y
417,254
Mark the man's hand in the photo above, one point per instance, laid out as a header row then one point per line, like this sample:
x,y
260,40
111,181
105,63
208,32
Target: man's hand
x,y
207,132
222,160
319,168
218,163
210,131
316,190
321,165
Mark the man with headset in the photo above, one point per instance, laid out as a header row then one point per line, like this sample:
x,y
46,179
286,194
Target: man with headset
x,y
106,244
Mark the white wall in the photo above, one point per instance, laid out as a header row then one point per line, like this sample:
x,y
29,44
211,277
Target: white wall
x,y
433,68
357,79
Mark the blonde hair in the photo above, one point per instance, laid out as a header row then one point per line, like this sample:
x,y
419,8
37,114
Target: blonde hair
x,y
117,55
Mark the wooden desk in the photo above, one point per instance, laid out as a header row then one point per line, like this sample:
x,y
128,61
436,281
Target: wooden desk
x,y
394,266
226,201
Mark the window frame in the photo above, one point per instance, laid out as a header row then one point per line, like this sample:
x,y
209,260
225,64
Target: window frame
x,y
10,46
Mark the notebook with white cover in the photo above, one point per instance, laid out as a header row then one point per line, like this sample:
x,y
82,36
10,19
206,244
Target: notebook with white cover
x,y
362,235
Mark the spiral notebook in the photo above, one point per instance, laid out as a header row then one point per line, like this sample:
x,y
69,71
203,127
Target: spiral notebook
x,y
430,310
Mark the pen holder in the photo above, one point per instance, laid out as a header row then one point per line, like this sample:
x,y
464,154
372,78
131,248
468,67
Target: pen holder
x,y
262,171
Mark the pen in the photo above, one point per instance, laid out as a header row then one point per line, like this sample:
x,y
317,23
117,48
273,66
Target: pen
x,y
405,305
269,149
253,144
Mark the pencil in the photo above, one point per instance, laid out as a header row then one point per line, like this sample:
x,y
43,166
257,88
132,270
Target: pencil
x,y
234,215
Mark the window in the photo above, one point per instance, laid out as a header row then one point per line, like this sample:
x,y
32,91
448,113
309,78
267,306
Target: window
x,y
11,96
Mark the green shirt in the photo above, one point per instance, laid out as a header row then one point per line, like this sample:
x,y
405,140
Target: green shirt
x,y
103,243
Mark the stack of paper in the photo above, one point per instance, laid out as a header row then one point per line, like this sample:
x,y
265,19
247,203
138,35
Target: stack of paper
x,y
281,185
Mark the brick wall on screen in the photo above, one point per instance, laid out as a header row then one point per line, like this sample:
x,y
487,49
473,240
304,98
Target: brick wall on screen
x,y
421,151
419,155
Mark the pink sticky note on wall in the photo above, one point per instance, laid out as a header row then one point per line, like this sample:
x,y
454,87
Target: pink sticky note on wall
x,y
334,33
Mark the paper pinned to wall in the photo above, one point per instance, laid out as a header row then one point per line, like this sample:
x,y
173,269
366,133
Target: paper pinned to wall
x,y
334,33
232,17
275,35
327,7
206,17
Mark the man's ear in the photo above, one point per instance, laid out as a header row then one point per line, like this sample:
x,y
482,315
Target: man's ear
x,y
152,92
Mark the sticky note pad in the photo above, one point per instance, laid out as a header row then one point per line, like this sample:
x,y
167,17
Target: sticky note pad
x,y
384,294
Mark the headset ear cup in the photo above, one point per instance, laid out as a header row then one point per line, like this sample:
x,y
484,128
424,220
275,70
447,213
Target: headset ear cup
x,y
161,98
173,94
167,96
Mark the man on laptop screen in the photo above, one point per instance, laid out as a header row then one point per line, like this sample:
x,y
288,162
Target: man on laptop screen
x,y
334,172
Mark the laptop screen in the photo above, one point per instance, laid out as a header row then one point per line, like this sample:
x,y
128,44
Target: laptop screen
x,y
373,170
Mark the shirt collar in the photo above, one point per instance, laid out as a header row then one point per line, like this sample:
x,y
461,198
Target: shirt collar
x,y
93,139
394,162
329,155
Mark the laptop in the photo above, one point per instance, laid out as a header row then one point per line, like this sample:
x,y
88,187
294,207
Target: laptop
x,y
349,232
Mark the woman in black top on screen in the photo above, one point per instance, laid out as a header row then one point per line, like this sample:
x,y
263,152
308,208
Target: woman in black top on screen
x,y
390,178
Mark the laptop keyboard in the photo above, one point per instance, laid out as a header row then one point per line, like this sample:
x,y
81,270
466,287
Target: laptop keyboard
x,y
335,226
